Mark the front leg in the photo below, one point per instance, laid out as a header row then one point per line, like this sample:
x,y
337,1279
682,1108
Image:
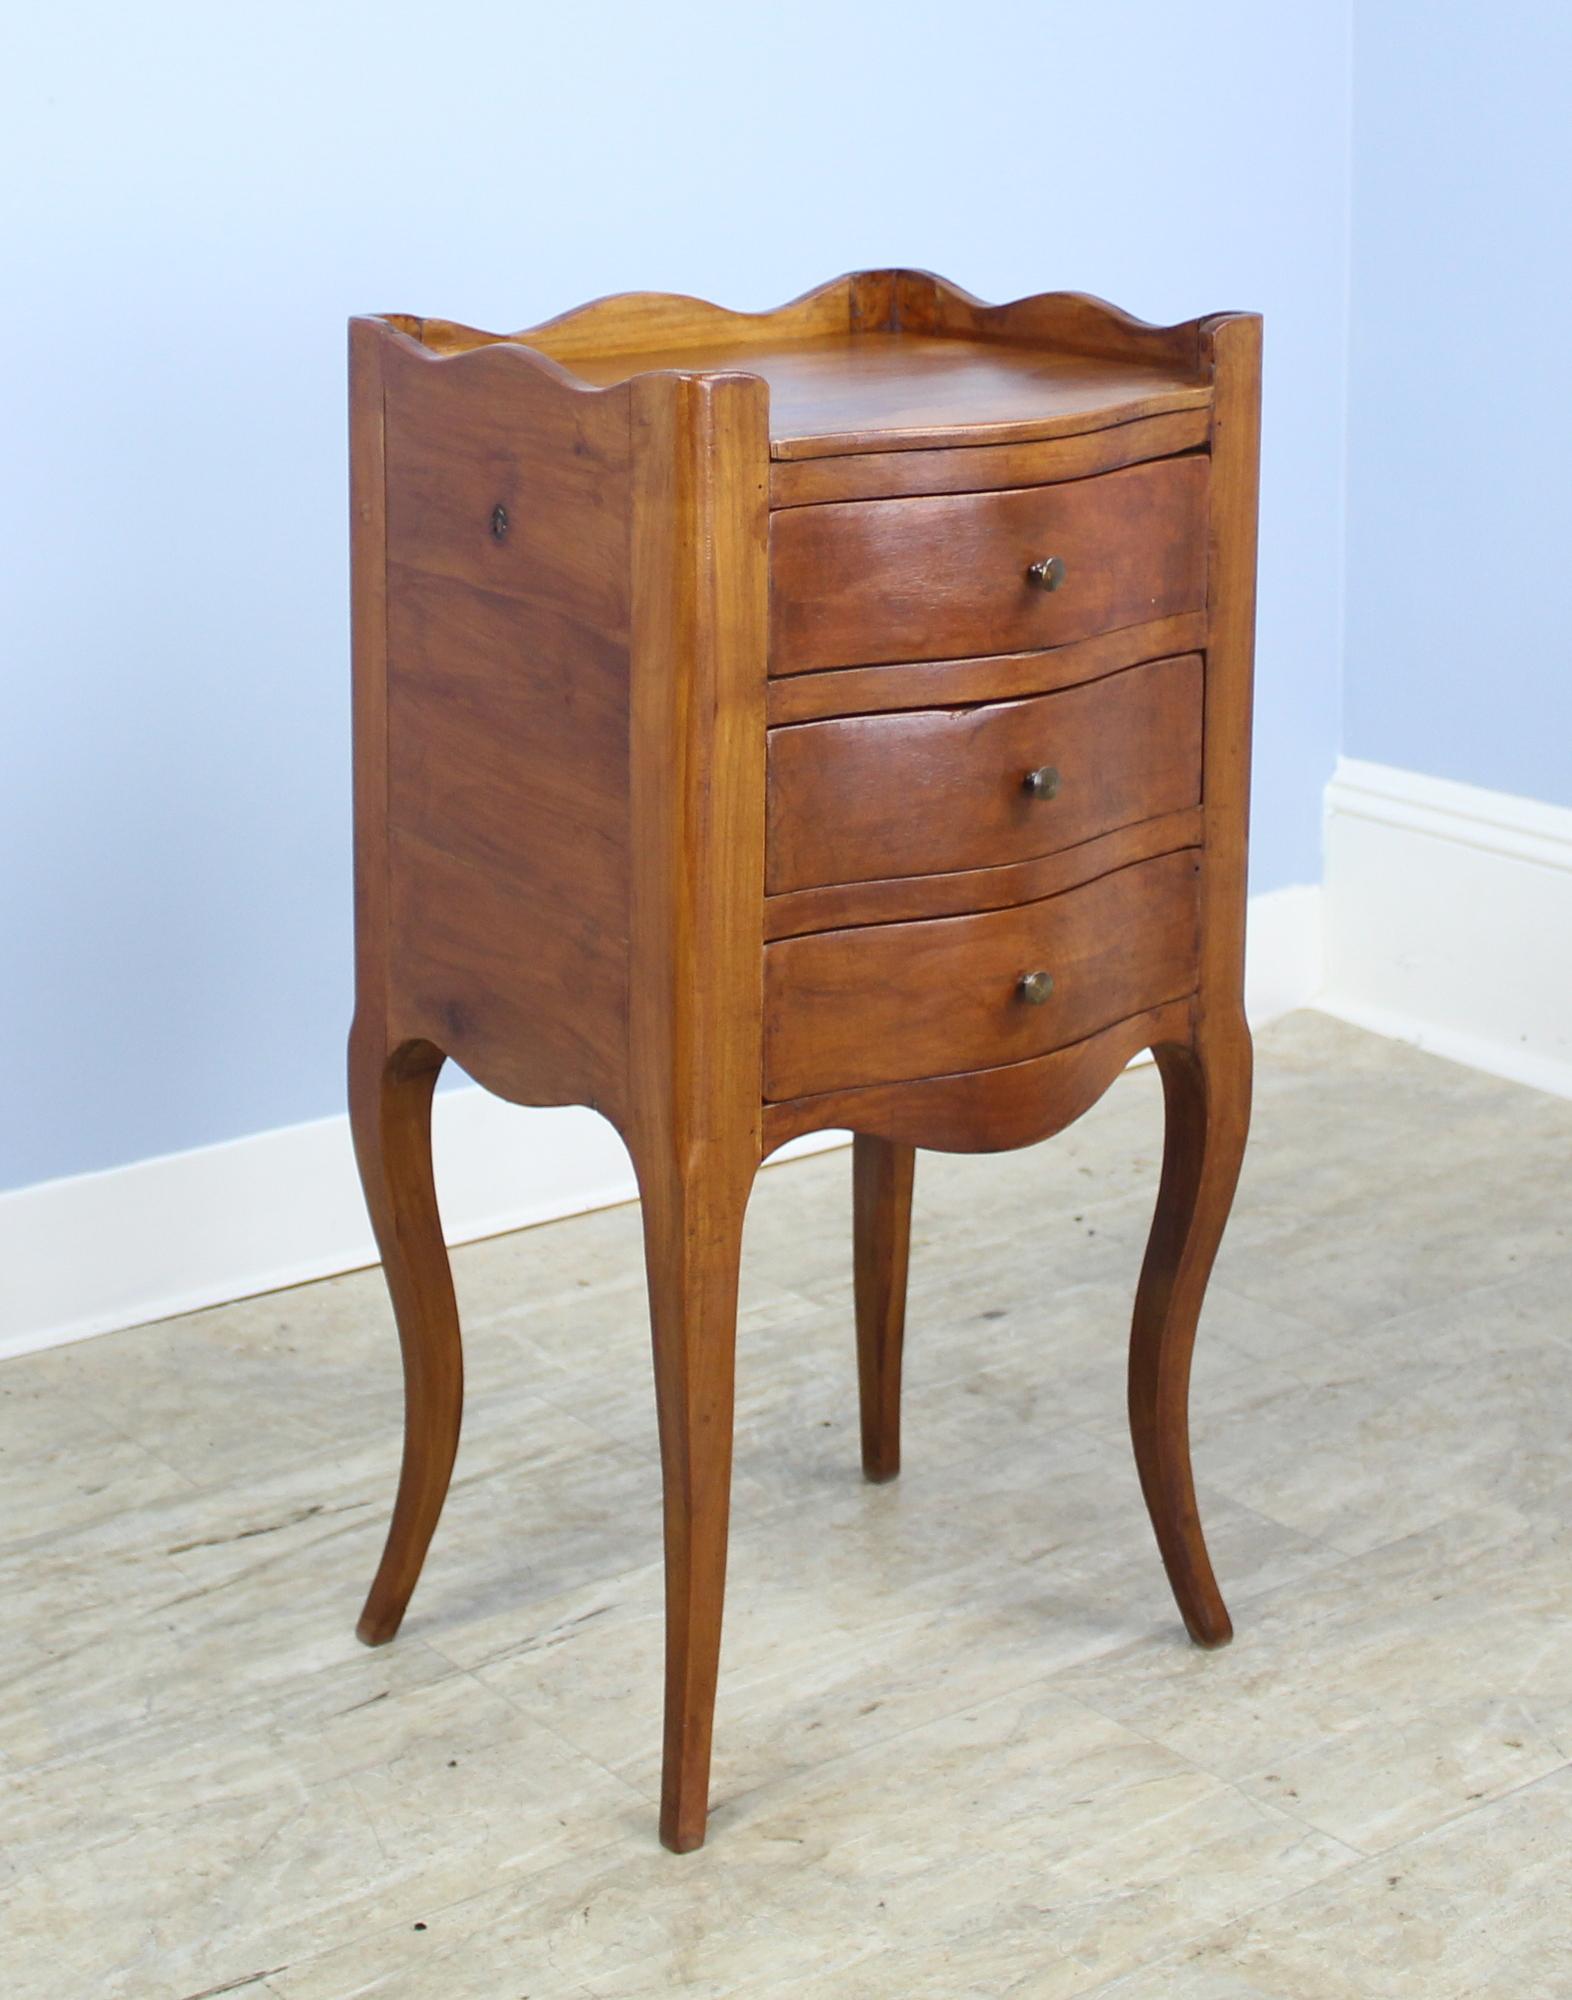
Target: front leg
x,y
1206,1092
693,1215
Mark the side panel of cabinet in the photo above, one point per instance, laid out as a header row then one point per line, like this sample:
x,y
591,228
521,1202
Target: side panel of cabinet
x,y
509,577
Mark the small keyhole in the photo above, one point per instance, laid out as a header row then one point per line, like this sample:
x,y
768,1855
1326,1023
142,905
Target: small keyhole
x,y
499,521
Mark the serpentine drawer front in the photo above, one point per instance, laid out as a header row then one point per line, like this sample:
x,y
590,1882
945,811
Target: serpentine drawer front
x,y
893,1001
829,718
877,580
925,791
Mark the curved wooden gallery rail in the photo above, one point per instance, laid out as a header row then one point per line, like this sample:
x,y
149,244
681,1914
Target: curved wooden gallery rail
x,y
562,657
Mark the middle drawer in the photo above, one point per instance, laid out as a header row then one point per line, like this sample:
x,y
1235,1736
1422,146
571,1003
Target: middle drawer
x,y
863,798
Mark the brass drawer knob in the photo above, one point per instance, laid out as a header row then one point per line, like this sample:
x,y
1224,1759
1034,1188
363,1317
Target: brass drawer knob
x,y
1034,987
1047,574
1043,783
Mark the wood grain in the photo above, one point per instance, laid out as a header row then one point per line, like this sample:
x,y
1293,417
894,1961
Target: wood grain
x,y
987,1110
1232,346
901,899
460,940
984,468
884,301
1061,322
694,1126
507,814
507,731
369,668
880,360
499,429
881,580
563,560
1207,1115
993,677
842,394
635,323
499,754
1207,1075
882,1228
638,323
391,1078
930,791
390,1120
873,392
899,1001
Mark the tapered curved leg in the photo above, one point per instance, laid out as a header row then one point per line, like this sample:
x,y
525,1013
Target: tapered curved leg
x,y
1206,1091
881,1229
693,1215
390,1116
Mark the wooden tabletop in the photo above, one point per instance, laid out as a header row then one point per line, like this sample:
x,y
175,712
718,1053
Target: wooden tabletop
x,y
893,391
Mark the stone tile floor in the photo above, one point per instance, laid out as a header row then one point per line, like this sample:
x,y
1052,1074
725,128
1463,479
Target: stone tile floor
x,y
963,1746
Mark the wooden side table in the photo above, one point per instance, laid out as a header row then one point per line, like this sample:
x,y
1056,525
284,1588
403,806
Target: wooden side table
x,y
833,717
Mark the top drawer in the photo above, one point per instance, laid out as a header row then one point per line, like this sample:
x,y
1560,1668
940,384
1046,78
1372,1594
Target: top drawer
x,y
862,582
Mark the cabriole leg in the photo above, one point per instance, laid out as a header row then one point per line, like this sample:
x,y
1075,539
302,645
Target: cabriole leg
x,y
693,1219
390,1115
1206,1091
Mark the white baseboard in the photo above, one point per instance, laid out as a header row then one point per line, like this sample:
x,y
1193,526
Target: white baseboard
x,y
1449,920
170,1235
1284,965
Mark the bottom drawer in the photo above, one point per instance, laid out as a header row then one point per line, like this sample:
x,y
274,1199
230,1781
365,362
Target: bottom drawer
x,y
893,1001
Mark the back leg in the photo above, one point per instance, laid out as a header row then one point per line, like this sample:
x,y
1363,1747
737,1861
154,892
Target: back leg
x,y
390,1116
882,1173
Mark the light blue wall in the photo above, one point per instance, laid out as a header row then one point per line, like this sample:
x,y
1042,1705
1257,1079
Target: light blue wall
x,y
1459,655
195,199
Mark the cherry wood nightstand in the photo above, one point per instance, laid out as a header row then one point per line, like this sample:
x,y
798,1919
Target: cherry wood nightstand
x,y
832,717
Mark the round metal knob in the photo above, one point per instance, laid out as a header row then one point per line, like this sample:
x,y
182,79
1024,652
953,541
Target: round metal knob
x,y
1047,574
1043,783
1034,987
